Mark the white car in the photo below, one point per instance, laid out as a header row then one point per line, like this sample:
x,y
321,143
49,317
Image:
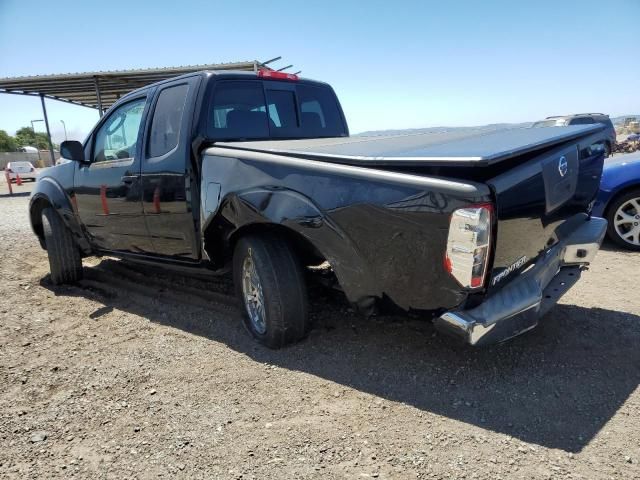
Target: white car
x,y
24,169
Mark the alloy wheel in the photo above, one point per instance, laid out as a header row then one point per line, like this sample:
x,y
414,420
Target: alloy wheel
x,y
253,295
626,221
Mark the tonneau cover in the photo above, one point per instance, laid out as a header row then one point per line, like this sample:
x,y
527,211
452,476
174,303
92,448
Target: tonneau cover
x,y
455,147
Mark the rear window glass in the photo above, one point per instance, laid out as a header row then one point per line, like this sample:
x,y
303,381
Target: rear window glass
x,y
239,111
246,110
581,121
319,115
281,105
167,118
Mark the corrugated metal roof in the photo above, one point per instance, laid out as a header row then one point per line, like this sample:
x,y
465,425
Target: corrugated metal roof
x,y
80,88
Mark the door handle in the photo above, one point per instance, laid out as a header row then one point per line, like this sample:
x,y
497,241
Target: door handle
x,y
128,179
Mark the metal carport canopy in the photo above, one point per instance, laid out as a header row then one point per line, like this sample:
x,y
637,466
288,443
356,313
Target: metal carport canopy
x,y
102,89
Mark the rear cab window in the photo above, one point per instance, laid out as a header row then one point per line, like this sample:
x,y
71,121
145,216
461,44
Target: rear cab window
x,y
581,121
238,111
257,109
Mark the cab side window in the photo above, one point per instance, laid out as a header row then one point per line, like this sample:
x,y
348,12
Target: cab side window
x,y
117,137
167,119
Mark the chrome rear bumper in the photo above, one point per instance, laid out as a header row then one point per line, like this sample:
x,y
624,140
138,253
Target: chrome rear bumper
x,y
518,306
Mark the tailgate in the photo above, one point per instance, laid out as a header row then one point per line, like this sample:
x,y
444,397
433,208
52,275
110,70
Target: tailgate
x,y
542,201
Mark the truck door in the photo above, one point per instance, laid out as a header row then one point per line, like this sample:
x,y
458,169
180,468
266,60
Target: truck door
x,y
169,191
107,188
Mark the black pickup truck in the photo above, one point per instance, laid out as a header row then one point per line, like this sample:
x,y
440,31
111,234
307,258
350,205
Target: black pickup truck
x,y
256,173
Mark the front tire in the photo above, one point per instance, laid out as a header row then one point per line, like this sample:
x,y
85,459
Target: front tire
x,y
65,262
624,220
270,284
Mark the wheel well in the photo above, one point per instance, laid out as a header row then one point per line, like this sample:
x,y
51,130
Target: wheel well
x,y
306,252
620,193
36,218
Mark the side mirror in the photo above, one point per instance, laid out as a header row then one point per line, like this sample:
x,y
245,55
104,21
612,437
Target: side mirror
x,y
73,150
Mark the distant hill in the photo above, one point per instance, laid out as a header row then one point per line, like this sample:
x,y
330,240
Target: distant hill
x,y
411,131
479,128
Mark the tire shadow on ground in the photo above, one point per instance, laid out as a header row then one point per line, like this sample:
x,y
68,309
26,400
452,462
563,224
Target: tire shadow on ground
x,y
556,386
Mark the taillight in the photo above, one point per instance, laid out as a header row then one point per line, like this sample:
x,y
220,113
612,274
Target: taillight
x,y
468,244
277,75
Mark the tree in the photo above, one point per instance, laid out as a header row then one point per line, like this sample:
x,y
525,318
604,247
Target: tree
x,y
7,142
26,136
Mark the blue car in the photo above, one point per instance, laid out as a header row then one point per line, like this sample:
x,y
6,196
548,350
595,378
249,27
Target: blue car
x,y
619,199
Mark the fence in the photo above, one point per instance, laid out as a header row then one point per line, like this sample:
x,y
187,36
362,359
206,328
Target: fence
x,y
40,160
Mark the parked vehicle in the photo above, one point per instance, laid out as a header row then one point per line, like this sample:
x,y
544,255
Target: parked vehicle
x,y
28,149
583,119
630,145
24,169
256,173
619,200
633,127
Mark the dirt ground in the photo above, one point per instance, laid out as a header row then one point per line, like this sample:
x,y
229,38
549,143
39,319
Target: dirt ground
x,y
134,373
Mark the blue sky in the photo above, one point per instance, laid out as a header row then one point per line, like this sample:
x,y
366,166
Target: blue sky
x,y
394,64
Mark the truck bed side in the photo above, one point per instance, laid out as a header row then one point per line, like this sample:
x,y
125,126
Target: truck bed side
x,y
383,233
395,218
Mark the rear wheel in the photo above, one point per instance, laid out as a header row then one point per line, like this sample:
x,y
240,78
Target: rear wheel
x,y
65,261
624,220
270,283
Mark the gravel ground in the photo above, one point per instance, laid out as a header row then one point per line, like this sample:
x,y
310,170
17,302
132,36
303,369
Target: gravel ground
x,y
135,373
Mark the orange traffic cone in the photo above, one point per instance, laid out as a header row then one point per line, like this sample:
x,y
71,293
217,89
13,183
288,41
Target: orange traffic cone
x,y
18,180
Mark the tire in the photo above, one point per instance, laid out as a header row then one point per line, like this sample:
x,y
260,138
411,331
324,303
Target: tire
x,y
270,284
65,262
626,211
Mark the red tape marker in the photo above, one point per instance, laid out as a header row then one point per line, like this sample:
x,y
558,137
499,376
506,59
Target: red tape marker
x,y
103,199
156,199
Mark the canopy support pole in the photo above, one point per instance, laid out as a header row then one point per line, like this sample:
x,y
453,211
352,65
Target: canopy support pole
x,y
46,123
98,97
